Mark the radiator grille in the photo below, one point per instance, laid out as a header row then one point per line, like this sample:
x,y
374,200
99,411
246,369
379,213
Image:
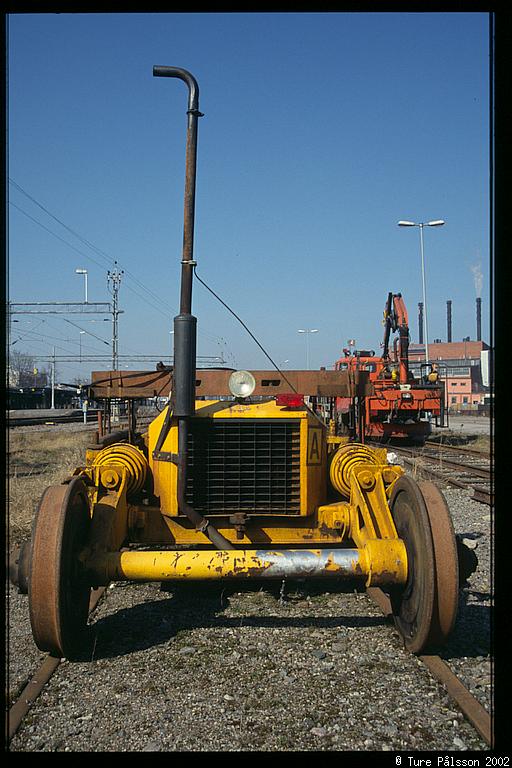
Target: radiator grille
x,y
244,466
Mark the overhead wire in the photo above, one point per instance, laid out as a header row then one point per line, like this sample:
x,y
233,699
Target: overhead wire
x,y
81,253
89,333
40,337
25,333
85,255
253,337
97,250
111,261
36,221
60,338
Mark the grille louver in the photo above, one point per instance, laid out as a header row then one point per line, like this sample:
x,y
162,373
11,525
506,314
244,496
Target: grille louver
x,y
244,466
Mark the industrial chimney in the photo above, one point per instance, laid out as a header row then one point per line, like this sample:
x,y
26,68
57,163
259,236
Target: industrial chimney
x,y
449,320
420,322
479,319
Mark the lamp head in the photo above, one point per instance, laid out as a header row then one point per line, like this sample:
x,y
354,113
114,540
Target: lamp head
x,y
242,384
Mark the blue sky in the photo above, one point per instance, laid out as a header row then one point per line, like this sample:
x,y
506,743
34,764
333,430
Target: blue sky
x,y
321,131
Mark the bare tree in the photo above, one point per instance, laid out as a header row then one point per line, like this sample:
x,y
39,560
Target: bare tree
x,y
23,371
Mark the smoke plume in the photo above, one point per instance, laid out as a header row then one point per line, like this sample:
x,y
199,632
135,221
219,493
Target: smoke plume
x,y
478,278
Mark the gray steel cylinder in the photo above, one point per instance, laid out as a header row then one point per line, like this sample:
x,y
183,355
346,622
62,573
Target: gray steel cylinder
x,y
185,329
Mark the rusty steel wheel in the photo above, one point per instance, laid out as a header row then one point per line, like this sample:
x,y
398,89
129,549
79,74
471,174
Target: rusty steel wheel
x,y
58,594
413,605
446,564
425,609
19,564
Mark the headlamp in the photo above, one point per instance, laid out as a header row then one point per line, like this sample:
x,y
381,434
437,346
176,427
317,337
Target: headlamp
x,y
242,384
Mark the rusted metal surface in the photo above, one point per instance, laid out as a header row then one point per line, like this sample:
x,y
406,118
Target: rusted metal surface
x,y
19,564
136,384
413,608
380,599
474,712
477,715
29,694
377,561
185,330
214,382
58,598
190,178
446,564
33,688
483,496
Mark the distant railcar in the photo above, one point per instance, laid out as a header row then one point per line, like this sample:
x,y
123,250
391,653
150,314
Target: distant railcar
x,y
402,407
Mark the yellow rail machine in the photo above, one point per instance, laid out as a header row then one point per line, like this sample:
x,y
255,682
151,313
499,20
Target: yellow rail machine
x,y
239,477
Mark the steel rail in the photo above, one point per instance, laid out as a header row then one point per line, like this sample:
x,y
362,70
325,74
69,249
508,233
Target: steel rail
x,y
30,421
15,715
431,445
483,495
449,447
480,471
470,707
479,494
449,461
435,453
474,712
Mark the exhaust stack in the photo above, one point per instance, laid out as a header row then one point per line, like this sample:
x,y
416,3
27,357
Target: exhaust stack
x,y
420,322
449,320
185,324
479,319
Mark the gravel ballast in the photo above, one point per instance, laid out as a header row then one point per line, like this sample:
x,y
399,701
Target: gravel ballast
x,y
218,667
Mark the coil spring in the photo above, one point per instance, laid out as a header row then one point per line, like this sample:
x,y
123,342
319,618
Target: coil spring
x,y
127,456
343,462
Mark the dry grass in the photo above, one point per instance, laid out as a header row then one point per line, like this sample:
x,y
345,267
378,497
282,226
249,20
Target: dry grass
x,y
481,443
37,460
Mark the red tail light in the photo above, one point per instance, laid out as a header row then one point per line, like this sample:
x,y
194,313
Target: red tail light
x,y
290,401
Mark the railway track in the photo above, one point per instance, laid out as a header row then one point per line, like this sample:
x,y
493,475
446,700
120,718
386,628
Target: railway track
x,y
37,682
454,465
74,417
463,449
471,708
473,711
59,417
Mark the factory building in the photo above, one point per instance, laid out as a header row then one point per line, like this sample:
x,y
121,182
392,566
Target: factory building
x,y
460,363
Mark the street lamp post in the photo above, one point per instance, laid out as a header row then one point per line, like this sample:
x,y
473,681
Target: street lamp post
x,y
83,272
420,225
81,334
53,380
307,331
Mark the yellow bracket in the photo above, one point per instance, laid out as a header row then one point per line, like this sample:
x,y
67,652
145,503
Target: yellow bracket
x,y
371,524
107,489
371,516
